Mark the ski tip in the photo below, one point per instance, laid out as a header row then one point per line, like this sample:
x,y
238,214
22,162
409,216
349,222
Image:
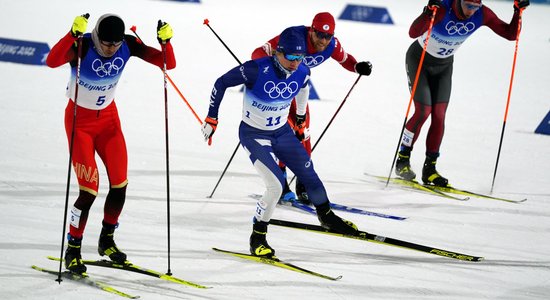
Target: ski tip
x,y
53,258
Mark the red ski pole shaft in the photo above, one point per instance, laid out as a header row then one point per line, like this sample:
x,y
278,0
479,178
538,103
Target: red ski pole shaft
x,y
413,90
508,99
133,29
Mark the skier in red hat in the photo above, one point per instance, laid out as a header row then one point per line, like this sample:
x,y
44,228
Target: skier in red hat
x,y
321,44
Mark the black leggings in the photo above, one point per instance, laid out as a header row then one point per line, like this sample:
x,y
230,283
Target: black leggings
x,y
431,97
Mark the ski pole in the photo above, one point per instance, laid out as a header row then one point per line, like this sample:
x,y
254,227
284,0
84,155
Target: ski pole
x,y
508,100
71,147
207,23
332,119
183,97
163,46
133,29
413,91
165,76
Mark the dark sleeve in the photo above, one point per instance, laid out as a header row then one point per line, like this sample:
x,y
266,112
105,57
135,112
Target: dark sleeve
x,y
507,31
245,74
422,23
150,54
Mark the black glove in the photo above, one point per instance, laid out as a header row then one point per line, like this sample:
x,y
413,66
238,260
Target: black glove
x,y
519,4
431,5
300,129
434,3
363,68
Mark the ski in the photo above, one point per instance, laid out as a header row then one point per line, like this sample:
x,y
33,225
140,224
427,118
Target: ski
x,y
354,210
415,185
277,263
365,236
334,206
85,279
453,190
136,269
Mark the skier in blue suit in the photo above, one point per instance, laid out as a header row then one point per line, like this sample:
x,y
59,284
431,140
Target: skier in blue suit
x,y
270,85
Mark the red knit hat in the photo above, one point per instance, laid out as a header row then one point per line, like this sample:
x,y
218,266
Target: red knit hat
x,y
323,22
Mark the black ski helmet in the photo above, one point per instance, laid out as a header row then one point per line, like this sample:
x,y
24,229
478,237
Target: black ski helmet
x,y
111,29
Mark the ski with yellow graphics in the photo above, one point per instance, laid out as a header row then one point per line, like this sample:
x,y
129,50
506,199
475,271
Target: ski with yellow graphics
x,y
453,190
415,185
85,279
274,261
136,269
369,237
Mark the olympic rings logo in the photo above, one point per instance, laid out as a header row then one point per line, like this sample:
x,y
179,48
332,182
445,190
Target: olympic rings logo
x,y
460,28
108,68
313,61
281,89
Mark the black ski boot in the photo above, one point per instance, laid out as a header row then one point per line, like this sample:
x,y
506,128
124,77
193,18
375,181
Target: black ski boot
x,y
430,175
403,165
333,222
258,242
73,259
302,194
107,246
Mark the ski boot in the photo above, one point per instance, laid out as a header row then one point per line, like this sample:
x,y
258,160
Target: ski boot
x,y
258,242
287,195
331,221
403,166
107,246
302,194
430,176
73,259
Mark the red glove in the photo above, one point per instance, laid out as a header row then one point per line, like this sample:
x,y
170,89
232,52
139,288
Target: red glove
x,y
208,129
300,129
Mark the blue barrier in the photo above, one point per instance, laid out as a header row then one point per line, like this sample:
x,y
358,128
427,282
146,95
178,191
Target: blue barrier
x,y
312,92
544,127
194,1
23,52
363,13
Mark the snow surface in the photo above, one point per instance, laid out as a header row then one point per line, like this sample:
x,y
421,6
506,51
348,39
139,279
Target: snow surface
x,y
514,238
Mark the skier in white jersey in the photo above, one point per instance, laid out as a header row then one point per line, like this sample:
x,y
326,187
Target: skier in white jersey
x,y
104,54
271,84
454,22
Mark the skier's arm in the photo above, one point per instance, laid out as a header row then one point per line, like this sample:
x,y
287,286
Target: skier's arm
x,y
507,31
65,50
302,97
244,74
266,49
150,54
422,23
247,74
62,52
345,59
